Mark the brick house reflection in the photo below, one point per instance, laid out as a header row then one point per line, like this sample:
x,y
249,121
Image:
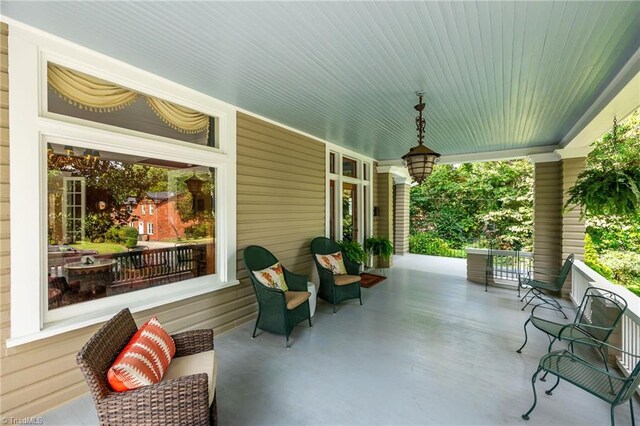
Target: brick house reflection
x,y
157,218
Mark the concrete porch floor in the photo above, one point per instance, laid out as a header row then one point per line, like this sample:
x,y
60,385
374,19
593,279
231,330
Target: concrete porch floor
x,y
427,347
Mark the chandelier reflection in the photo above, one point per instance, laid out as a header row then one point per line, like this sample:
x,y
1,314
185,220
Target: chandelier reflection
x,y
69,160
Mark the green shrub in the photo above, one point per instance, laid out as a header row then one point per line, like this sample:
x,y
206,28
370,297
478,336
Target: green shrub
x,y
426,243
196,231
592,260
625,266
128,236
125,235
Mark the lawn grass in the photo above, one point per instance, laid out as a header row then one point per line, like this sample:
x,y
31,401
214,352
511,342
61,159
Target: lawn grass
x,y
101,248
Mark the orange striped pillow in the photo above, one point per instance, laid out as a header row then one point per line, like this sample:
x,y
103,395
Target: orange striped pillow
x,y
144,360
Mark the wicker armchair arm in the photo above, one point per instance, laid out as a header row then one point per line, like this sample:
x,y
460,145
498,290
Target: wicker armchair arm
x,y
325,274
296,282
180,401
193,341
352,267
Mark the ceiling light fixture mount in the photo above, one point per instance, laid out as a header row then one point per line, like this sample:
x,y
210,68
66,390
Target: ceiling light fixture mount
x,y
420,159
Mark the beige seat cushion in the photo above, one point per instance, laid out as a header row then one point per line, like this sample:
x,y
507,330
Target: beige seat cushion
x,y
296,298
346,279
202,362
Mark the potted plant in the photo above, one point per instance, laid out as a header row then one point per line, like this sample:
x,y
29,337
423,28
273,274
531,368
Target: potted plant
x,y
380,247
353,250
609,186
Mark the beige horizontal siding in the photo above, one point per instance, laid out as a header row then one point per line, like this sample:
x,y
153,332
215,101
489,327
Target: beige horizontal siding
x,y
573,229
401,224
281,193
383,191
280,205
547,217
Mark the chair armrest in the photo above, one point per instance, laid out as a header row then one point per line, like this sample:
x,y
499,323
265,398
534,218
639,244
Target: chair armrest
x,y
352,267
592,341
295,282
567,354
193,341
270,295
180,401
325,274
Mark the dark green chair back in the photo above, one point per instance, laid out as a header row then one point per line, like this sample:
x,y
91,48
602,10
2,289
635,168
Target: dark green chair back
x,y
323,245
600,308
564,272
257,258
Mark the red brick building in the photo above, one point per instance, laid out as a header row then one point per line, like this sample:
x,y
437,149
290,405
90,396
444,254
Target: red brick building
x,y
156,217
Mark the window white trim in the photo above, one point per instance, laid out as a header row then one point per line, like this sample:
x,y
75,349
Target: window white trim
x,y
28,52
143,209
339,179
150,228
151,209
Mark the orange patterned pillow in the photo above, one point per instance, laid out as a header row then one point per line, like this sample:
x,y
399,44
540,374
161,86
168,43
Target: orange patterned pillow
x,y
333,262
272,277
144,360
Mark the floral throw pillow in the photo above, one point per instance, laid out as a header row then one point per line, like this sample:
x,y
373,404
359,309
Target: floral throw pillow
x,y
333,262
272,277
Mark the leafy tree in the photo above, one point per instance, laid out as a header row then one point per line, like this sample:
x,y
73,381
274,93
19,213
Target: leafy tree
x,y
457,201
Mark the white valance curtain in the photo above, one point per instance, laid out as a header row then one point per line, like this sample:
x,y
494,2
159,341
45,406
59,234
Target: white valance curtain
x,y
94,94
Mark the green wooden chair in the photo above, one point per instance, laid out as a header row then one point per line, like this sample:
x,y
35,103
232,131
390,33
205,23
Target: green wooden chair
x,y
278,311
601,383
538,288
335,288
596,319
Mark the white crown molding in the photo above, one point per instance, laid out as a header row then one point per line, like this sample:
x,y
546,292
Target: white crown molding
x,y
548,157
626,80
509,154
574,152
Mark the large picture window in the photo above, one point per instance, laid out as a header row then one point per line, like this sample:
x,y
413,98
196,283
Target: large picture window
x,y
93,197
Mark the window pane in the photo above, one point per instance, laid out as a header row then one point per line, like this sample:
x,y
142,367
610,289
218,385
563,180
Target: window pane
x,y
349,167
332,209
332,162
94,252
126,108
349,212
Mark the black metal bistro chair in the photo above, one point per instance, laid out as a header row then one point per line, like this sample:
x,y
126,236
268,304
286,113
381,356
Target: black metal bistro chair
x,y
607,386
596,319
538,288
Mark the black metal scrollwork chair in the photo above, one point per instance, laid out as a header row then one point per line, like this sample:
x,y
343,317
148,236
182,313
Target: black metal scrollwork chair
x,y
278,311
537,287
603,384
335,288
596,318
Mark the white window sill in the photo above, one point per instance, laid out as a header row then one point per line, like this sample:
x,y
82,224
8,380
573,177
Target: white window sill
x,y
96,317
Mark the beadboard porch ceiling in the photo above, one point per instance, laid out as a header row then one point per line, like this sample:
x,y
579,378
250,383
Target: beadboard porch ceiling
x,y
497,75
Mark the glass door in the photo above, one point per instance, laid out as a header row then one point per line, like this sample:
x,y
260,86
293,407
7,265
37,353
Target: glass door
x,y
349,212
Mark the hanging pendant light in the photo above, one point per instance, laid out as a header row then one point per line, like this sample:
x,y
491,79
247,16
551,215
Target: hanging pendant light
x,y
420,159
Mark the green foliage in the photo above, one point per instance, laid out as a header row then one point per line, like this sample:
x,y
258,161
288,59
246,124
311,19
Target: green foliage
x,y
625,266
125,235
353,250
592,259
610,185
431,244
96,224
457,201
197,231
379,246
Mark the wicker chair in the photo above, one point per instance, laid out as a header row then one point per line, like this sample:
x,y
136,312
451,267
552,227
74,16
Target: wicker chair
x,y
183,401
335,288
278,311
